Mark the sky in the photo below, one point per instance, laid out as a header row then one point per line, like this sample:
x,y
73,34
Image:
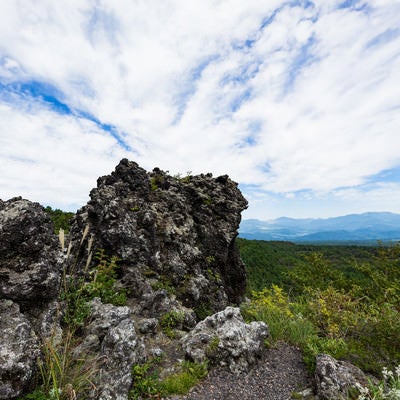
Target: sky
x,y
297,101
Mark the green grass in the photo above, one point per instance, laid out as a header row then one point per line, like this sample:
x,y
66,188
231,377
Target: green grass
x,y
147,384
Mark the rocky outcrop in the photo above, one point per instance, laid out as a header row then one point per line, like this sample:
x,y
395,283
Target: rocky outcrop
x,y
169,233
175,243
19,349
30,264
30,271
225,339
111,340
335,379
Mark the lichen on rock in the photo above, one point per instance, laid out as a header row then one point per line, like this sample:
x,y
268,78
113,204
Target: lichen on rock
x,y
226,340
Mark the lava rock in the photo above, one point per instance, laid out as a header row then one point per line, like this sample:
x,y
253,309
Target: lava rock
x,y
225,339
111,337
19,349
334,379
30,266
169,233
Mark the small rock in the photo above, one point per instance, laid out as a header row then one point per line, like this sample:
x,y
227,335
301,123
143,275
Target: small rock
x,y
335,378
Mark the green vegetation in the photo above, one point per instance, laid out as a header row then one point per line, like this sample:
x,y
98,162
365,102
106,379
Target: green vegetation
x,y
388,388
170,321
60,219
203,309
147,383
180,382
268,262
343,301
63,374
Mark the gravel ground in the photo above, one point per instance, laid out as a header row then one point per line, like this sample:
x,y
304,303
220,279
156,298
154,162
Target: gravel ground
x,y
280,373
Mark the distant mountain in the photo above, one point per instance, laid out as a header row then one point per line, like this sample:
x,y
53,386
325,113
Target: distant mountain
x,y
370,226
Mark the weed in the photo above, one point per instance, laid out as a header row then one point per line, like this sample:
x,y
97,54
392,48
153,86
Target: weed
x,y
145,380
387,389
164,284
207,201
104,279
203,309
63,374
170,321
212,347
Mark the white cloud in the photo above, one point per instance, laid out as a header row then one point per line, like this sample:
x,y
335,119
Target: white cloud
x,y
309,102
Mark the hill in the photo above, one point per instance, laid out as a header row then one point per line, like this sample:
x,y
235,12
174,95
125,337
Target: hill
x,y
367,227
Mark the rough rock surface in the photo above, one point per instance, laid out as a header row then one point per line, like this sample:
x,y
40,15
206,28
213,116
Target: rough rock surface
x,y
111,340
30,271
19,348
29,254
335,378
226,340
169,232
175,242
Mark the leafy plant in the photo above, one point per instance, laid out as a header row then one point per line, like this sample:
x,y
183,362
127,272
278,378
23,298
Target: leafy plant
x,y
170,321
104,281
146,382
387,389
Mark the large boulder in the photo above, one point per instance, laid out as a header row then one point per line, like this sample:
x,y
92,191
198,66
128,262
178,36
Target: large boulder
x,y
19,349
29,254
226,340
335,379
111,338
168,233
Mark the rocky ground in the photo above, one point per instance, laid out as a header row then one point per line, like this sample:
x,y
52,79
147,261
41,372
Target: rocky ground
x,y
279,374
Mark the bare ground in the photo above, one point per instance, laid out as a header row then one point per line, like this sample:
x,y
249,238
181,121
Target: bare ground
x,y
279,374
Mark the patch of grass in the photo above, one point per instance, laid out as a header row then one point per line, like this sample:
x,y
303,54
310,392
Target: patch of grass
x,y
181,382
164,283
147,384
63,374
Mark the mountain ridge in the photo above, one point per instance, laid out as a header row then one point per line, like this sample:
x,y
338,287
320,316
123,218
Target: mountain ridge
x,y
368,226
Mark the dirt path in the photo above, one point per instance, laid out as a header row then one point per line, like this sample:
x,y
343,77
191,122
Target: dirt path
x,y
280,373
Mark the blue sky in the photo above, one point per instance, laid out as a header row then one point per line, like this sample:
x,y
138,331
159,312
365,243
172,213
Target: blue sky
x,y
298,101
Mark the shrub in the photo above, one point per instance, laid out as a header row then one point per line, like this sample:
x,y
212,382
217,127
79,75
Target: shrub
x,y
388,388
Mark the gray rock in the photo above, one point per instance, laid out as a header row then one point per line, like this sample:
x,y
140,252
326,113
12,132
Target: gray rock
x,y
29,253
19,349
225,339
168,232
111,336
148,325
335,378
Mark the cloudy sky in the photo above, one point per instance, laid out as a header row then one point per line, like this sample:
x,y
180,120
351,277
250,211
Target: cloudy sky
x,y
298,101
